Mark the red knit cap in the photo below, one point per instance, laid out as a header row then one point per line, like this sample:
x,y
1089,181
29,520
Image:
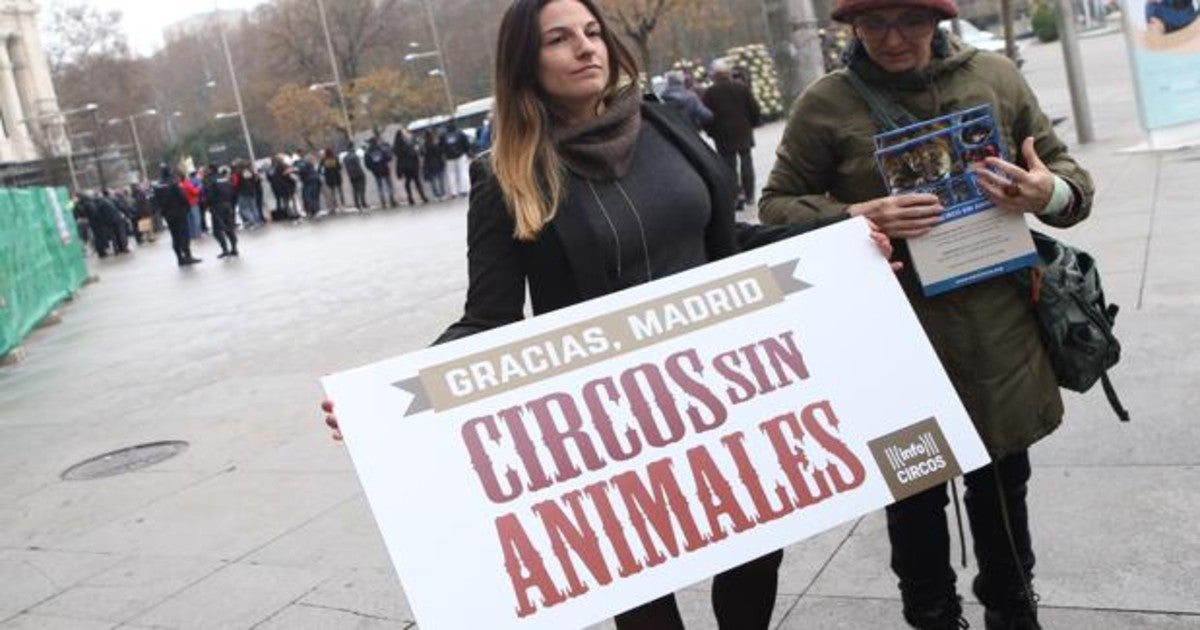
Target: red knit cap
x,y
847,9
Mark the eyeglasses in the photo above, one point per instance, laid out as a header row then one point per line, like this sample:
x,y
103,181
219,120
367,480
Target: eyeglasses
x,y
911,27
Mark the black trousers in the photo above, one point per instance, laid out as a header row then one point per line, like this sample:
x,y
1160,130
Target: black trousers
x,y
359,188
732,158
742,598
180,240
920,538
224,225
410,178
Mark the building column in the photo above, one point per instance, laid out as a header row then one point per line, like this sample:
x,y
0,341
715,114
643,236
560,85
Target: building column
x,y
39,67
10,100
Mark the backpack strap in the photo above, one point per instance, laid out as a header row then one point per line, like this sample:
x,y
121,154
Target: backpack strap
x,y
887,112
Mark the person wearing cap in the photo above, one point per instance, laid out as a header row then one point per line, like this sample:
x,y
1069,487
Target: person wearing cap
x,y
984,334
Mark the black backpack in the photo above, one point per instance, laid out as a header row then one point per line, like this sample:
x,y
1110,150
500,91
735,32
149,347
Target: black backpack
x,y
1076,320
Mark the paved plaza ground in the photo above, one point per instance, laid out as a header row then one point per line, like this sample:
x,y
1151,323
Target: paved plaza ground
x,y
261,522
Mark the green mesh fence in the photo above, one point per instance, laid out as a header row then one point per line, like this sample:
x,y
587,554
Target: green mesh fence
x,y
41,258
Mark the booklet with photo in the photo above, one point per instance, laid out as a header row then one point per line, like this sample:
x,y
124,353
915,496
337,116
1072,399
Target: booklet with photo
x,y
975,240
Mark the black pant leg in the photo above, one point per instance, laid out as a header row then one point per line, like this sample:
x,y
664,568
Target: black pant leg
x,y
658,614
219,230
747,172
179,237
730,160
920,539
1002,575
744,597
228,222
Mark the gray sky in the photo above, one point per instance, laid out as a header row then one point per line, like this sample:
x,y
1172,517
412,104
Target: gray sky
x,y
144,19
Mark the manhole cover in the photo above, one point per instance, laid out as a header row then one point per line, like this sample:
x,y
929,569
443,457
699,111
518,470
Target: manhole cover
x,y
124,460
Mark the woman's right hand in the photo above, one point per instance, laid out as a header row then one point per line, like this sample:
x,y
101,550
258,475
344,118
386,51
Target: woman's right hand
x,y
331,420
901,216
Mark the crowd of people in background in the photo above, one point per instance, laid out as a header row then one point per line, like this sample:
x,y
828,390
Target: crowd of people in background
x,y
221,199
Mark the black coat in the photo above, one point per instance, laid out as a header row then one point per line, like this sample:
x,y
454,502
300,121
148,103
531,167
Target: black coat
x,y
170,200
735,115
561,264
408,161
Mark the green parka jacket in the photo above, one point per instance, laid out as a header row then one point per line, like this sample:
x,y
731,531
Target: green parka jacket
x,y
985,333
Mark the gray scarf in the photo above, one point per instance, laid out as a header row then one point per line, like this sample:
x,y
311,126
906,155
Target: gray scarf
x,y
601,149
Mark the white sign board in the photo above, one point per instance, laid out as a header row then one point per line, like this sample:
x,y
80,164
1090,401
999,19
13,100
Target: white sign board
x,y
557,471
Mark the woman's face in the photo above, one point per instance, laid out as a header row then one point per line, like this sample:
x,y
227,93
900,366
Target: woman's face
x,y
898,39
573,62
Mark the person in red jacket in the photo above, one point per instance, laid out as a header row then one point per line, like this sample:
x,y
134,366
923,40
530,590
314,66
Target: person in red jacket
x,y
191,190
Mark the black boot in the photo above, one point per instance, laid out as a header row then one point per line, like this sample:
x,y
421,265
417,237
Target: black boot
x,y
943,615
1015,610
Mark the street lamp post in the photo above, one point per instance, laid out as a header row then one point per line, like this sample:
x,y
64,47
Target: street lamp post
x,y
337,79
137,143
237,92
437,51
96,148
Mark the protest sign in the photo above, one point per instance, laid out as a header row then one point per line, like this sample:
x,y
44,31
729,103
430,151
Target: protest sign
x,y
559,470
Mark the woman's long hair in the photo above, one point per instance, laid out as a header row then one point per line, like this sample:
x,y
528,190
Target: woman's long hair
x,y
523,156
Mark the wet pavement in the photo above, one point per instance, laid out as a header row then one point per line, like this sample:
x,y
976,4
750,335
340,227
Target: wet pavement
x,y
261,522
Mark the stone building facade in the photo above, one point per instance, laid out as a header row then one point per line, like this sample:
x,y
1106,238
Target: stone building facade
x,y
29,121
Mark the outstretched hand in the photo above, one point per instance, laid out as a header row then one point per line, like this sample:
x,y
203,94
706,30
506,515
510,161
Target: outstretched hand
x,y
1015,189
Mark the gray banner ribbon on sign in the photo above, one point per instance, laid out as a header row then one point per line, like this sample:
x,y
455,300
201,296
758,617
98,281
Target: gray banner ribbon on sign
x,y
420,401
427,395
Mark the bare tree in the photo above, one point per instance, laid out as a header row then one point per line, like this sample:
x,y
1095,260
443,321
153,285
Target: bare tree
x,y
77,30
638,19
356,28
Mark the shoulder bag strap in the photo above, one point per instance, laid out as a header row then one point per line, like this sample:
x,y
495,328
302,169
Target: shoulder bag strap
x,y
887,113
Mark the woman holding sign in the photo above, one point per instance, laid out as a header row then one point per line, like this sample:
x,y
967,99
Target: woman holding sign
x,y
589,190
901,64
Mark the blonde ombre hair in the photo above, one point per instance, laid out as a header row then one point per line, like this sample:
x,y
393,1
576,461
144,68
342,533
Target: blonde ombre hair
x,y
523,157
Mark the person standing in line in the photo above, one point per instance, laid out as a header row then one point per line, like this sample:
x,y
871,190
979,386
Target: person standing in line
x,y
985,334
259,175
169,197
109,214
275,180
352,161
433,165
456,149
143,220
310,185
379,160
570,206
98,224
218,189
81,209
483,136
331,172
243,184
735,114
191,190
128,216
408,164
